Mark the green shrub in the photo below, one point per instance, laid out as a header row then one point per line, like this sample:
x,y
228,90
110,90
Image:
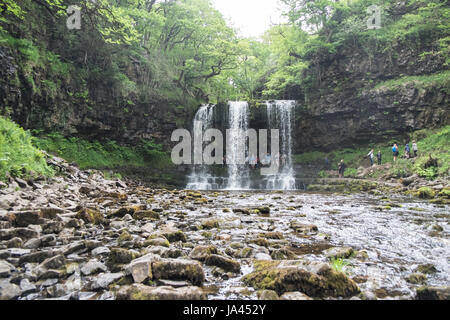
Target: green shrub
x,y
350,173
426,193
18,157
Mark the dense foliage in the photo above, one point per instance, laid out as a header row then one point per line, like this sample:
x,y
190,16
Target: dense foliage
x,y
18,156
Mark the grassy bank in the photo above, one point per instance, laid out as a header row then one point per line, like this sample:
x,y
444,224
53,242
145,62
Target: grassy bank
x,y
21,155
103,154
18,156
429,141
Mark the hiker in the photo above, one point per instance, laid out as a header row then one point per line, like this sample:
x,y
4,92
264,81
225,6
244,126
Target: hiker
x,y
370,155
415,149
341,167
395,151
407,151
379,157
327,163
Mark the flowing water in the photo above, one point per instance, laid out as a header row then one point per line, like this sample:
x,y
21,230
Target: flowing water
x,y
238,176
201,178
236,152
280,116
396,241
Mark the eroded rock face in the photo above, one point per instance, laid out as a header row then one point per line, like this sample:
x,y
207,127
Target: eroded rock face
x,y
315,279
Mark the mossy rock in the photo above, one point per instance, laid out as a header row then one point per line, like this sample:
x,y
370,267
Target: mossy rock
x,y
122,212
244,253
120,256
92,216
417,278
272,235
210,224
176,236
223,263
158,241
426,269
426,193
283,254
124,236
267,295
179,269
146,214
312,278
261,242
200,253
445,193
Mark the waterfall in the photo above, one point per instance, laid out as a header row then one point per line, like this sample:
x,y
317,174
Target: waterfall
x,y
236,174
201,178
238,171
280,116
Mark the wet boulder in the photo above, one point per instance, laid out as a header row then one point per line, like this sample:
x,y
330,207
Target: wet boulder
x,y
141,268
303,228
22,233
200,253
433,293
339,253
146,215
142,292
283,254
223,263
267,295
294,296
92,216
179,269
315,279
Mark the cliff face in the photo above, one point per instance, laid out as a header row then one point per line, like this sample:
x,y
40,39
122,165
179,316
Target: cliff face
x,y
100,118
365,99
356,103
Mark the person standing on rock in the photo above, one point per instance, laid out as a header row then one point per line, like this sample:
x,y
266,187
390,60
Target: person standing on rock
x,y
415,149
341,167
370,155
379,157
395,151
407,151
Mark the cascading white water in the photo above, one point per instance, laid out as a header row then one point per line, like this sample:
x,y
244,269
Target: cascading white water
x,y
237,175
200,178
280,116
238,171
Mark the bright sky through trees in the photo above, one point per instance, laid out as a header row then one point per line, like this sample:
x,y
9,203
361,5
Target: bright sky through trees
x,y
251,17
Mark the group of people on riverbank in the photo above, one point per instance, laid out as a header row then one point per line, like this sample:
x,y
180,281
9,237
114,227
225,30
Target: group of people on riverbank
x,y
395,153
371,156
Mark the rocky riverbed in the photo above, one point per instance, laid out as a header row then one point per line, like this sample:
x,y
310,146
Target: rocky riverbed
x,y
81,236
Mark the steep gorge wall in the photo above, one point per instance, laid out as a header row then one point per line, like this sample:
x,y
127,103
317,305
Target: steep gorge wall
x,y
364,99
102,117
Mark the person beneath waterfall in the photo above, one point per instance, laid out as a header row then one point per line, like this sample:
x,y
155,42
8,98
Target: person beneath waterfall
x,y
341,167
379,157
370,155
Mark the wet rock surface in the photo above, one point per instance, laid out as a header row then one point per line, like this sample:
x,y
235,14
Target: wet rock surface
x,y
81,236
